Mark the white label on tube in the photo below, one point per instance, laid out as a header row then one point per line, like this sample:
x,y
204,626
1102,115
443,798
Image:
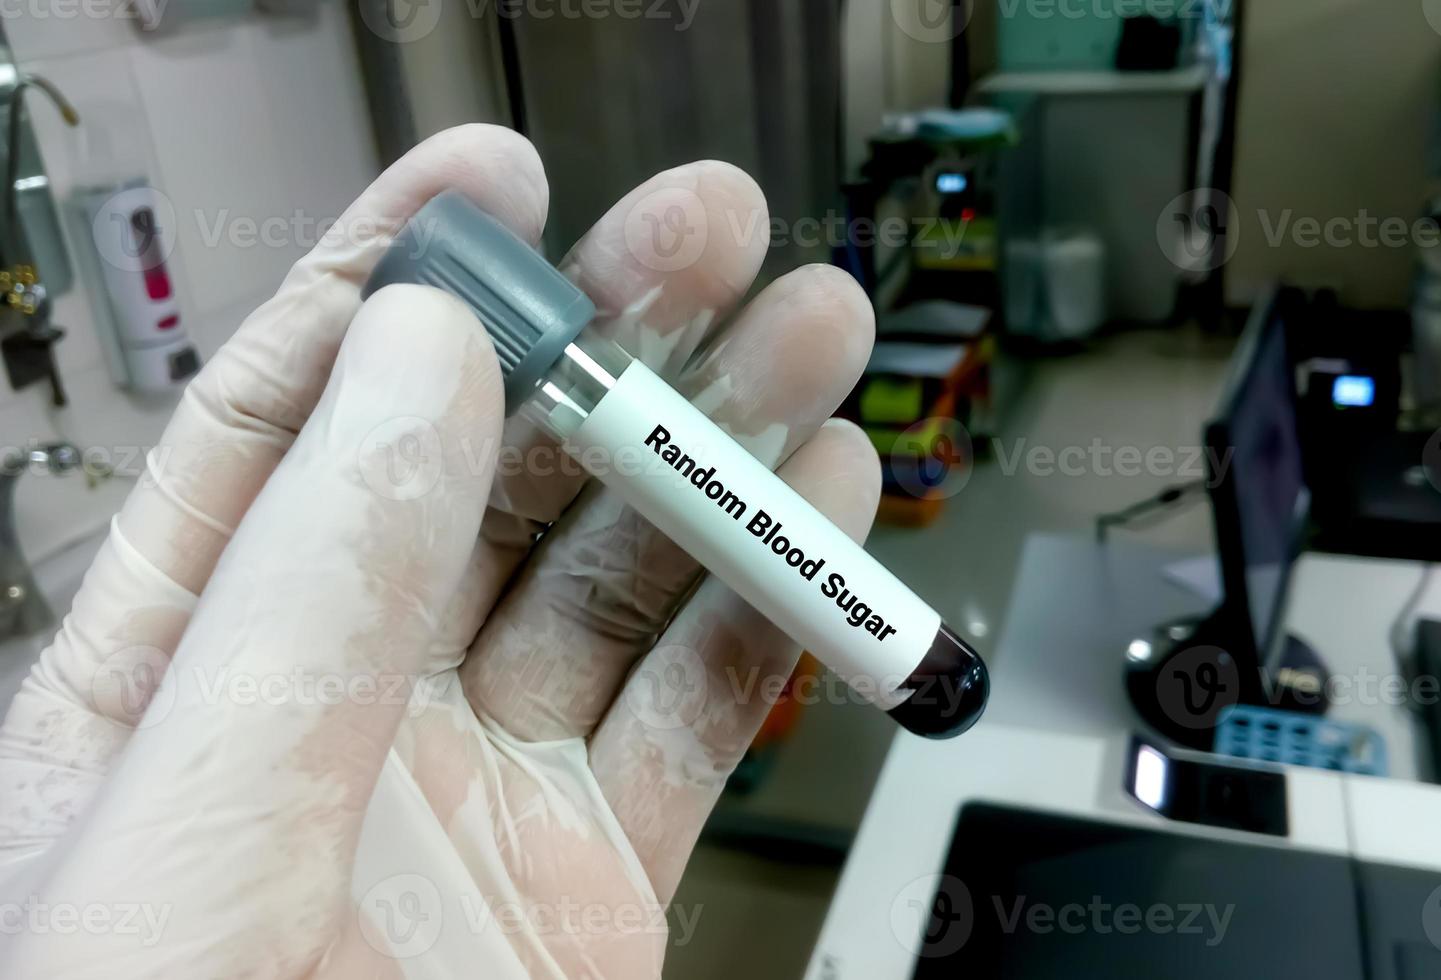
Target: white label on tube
x,y
760,537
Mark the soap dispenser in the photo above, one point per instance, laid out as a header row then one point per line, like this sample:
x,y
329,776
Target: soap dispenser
x,y
124,230
127,226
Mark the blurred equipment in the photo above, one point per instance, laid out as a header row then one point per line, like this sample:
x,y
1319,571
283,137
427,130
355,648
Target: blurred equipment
x,y
147,346
1426,319
1016,857
1085,128
23,609
1200,789
1372,462
36,265
169,16
1055,286
1268,735
31,227
1259,501
1149,44
1152,509
1426,662
927,381
929,189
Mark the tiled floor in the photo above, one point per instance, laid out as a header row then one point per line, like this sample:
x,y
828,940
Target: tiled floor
x,y
758,917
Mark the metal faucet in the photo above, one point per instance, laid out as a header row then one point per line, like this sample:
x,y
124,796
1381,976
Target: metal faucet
x,y
23,609
28,80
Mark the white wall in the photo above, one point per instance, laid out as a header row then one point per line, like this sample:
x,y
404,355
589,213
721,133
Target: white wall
x,y
1338,105
241,120
886,69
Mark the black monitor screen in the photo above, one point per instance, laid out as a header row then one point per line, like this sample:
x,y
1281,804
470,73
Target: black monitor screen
x,y
1258,478
1026,895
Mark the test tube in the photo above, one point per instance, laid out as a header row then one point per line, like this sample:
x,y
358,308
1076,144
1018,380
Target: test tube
x,y
680,471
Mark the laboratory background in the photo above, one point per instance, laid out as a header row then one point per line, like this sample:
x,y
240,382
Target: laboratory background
x,y
1156,391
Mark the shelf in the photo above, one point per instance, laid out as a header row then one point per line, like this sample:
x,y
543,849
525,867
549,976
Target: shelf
x,y
1178,80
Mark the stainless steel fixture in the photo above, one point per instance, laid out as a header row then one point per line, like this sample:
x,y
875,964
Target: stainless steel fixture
x,y
23,609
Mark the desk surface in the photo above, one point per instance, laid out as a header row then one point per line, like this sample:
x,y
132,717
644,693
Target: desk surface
x,y
1055,737
1089,600
1344,608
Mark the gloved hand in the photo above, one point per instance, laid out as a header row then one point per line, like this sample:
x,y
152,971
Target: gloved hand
x,y
367,681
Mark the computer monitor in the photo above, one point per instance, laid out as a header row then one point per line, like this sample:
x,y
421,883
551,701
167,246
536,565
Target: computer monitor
x,y
1239,653
1258,490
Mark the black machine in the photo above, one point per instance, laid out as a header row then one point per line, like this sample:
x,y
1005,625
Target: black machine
x,y
1375,484
1051,897
1238,654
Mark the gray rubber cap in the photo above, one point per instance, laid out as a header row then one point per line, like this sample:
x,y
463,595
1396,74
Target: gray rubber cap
x,y
529,309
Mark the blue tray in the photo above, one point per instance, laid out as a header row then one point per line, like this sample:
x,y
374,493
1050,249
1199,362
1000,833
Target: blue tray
x,y
1272,735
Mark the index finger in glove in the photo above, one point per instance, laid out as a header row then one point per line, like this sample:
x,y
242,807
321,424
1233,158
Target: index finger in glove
x,y
234,424
239,800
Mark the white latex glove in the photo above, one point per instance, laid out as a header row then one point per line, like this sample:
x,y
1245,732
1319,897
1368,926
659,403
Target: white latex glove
x,y
313,715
